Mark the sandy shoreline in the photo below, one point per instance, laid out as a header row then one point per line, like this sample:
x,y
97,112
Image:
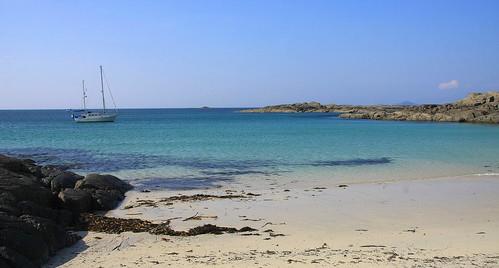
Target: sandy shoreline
x,y
441,222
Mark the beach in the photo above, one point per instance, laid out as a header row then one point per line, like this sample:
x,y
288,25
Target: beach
x,y
441,222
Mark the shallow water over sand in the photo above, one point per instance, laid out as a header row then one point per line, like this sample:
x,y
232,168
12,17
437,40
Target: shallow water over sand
x,y
191,148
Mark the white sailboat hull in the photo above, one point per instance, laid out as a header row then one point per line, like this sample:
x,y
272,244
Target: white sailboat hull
x,y
95,117
85,116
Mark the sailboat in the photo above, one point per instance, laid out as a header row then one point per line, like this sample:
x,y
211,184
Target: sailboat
x,y
85,116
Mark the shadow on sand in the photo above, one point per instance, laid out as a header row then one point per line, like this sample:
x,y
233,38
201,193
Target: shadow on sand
x,y
66,254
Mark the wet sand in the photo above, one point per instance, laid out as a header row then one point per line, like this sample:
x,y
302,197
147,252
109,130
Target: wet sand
x,y
444,222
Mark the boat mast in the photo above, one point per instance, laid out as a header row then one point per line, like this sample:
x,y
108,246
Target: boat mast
x,y
102,89
84,95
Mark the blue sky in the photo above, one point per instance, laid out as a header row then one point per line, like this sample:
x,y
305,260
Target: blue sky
x,y
246,53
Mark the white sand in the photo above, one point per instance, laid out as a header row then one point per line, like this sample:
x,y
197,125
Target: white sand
x,y
441,222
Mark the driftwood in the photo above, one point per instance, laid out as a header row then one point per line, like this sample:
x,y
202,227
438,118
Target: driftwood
x,y
185,198
199,217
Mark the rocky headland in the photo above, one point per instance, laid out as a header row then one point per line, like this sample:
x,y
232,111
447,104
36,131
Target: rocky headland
x,y
475,108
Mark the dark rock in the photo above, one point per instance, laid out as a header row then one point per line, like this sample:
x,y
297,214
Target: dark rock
x,y
106,199
31,246
13,164
49,173
34,237
64,180
103,182
106,190
23,238
52,234
35,170
24,187
76,200
37,204
11,259
8,204
61,216
46,181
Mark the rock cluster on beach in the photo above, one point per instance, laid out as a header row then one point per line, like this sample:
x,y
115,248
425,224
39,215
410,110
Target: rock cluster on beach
x,y
475,108
38,204
41,205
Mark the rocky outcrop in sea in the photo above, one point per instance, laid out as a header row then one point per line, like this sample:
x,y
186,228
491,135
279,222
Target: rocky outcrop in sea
x,y
475,108
40,205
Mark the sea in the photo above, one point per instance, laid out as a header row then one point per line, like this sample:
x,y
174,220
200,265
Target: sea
x,y
203,148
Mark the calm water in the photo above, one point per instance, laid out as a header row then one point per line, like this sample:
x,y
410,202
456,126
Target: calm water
x,y
206,146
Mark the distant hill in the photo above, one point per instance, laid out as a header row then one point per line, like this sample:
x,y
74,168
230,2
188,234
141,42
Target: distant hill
x,y
407,103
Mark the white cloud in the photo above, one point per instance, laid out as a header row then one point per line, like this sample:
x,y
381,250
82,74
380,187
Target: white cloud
x,y
449,84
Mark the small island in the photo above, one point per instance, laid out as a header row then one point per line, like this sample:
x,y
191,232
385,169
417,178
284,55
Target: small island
x,y
475,108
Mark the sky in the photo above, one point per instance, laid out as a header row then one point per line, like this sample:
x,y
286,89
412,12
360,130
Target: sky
x,y
248,53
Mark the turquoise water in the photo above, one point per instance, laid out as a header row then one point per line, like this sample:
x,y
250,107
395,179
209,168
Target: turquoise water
x,y
212,145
